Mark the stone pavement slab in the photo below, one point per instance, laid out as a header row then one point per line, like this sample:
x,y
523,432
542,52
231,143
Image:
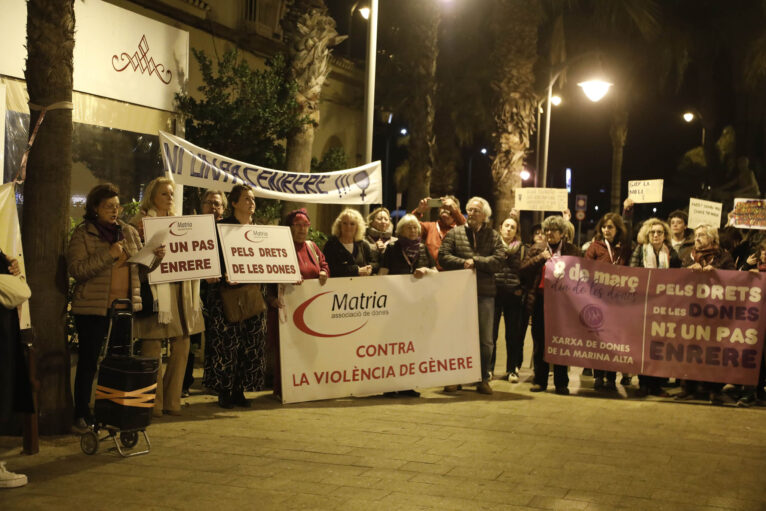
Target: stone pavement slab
x,y
511,450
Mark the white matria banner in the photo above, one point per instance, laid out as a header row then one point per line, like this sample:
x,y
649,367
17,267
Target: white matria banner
x,y
360,336
191,250
259,253
194,166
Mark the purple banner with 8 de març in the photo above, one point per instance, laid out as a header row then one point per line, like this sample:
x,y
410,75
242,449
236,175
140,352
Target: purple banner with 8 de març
x,y
706,326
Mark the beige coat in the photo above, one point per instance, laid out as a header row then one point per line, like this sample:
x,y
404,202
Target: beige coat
x,y
90,264
186,319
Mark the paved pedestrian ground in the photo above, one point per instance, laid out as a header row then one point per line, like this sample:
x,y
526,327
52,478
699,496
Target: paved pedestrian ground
x,y
510,451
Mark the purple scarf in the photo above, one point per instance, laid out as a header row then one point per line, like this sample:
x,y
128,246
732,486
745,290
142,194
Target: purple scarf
x,y
411,249
111,233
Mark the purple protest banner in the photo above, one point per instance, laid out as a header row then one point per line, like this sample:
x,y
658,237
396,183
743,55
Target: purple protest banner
x,y
678,323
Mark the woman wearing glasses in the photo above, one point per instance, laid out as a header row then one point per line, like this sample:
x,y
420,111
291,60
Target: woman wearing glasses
x,y
612,244
97,260
653,251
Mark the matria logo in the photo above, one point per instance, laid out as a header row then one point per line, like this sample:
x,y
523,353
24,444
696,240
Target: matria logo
x,y
300,320
254,236
179,228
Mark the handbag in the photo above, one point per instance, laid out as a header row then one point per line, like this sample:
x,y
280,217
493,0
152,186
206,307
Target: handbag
x,y
13,291
242,302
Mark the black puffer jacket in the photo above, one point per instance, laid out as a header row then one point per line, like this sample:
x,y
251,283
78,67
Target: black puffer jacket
x,y
507,280
457,248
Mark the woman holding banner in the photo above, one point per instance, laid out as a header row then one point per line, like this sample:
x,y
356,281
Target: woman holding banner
x,y
756,263
533,269
312,264
653,251
706,255
177,311
97,259
348,255
379,234
612,244
235,359
407,256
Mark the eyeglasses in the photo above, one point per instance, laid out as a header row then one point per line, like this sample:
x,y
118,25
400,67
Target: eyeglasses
x,y
214,203
473,210
657,233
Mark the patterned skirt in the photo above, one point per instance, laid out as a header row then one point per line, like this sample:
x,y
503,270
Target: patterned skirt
x,y
235,353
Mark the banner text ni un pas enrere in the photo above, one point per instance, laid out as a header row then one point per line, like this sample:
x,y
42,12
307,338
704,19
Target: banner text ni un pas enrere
x,y
194,166
705,326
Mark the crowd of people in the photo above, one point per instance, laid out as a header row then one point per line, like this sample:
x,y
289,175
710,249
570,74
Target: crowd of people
x,y
241,348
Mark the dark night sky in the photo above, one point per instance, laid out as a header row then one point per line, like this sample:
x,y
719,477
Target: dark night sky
x,y
657,139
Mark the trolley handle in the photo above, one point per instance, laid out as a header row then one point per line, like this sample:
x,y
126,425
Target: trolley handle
x,y
119,306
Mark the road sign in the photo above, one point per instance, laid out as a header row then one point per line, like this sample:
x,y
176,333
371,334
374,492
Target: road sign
x,y
581,204
580,215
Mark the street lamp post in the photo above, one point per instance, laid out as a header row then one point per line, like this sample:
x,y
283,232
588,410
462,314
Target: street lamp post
x,y
690,116
593,89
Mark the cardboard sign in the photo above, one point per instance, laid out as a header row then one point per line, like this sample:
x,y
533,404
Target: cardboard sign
x,y
645,191
191,247
749,214
360,336
704,212
541,199
259,253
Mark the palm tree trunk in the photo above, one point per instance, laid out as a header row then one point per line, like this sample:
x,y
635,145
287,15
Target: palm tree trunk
x,y
515,25
50,46
309,34
618,132
422,147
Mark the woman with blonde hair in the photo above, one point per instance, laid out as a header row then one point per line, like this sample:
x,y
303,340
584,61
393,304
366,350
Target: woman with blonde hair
x,y
379,234
177,310
346,252
653,251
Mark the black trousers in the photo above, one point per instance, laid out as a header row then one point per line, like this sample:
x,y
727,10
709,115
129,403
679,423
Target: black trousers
x,y
542,368
512,309
91,332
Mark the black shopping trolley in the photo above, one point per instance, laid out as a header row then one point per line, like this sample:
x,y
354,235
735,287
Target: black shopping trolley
x,y
125,389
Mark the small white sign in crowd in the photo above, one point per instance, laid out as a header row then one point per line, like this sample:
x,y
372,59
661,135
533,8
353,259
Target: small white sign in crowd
x,y
541,199
645,191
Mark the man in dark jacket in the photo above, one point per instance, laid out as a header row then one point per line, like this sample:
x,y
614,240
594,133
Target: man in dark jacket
x,y
681,238
555,245
478,247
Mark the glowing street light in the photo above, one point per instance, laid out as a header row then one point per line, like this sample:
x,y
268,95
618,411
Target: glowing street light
x,y
525,175
483,150
689,116
403,131
556,100
595,90
364,12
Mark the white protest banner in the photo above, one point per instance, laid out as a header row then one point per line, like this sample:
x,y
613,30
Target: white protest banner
x,y
645,191
749,214
541,199
195,166
360,336
192,247
259,253
704,212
